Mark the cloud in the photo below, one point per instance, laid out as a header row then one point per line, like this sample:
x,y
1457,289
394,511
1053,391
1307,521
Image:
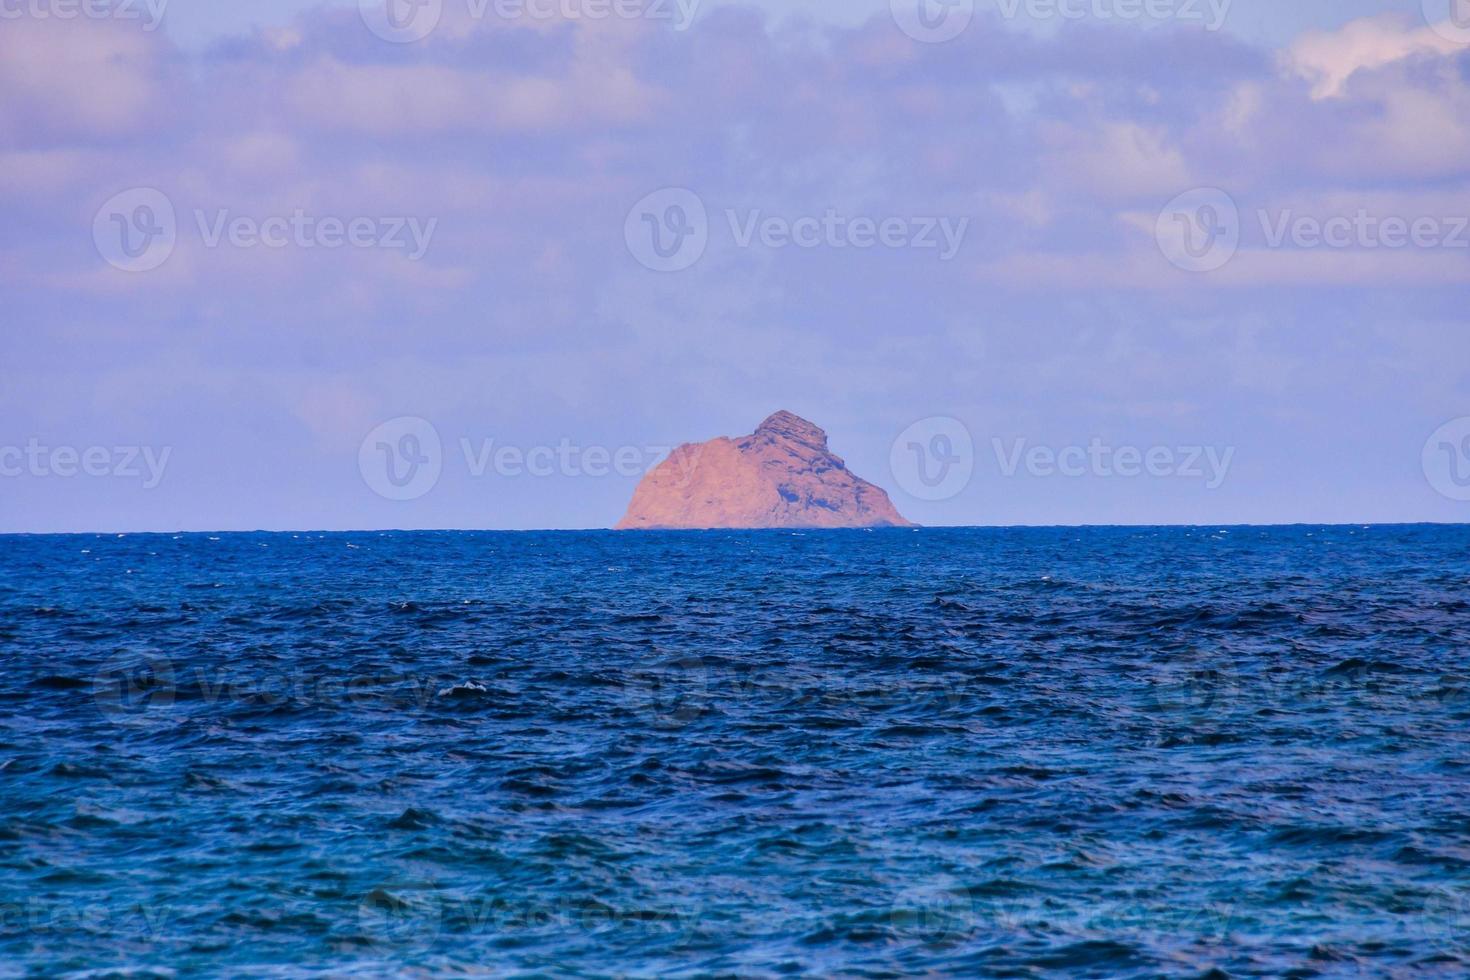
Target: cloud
x,y
528,143
74,81
1330,58
387,101
1115,159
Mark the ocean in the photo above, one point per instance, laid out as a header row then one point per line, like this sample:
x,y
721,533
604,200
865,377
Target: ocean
x,y
1107,752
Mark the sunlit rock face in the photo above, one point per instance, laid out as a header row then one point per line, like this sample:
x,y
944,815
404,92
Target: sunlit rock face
x,y
781,475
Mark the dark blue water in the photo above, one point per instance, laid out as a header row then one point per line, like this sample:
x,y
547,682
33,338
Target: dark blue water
x,y
1124,752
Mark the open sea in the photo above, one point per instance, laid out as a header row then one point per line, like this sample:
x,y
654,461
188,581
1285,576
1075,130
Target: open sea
x,y
1035,752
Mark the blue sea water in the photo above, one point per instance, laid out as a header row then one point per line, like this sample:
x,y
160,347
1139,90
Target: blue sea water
x,y
1049,752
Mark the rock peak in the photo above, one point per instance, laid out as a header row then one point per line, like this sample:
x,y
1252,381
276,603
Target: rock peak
x,y
781,475
788,425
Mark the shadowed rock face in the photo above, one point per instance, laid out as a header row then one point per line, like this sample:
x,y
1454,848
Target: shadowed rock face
x,y
781,475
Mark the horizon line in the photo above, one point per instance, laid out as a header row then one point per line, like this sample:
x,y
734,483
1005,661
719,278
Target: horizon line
x,y
746,530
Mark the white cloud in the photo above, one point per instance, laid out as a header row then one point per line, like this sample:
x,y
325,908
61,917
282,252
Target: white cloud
x,y
1330,58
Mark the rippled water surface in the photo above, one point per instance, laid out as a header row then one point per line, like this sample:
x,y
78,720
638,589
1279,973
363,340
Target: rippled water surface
x,y
1110,752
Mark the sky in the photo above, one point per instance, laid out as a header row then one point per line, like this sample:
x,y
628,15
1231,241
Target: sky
x,y
481,263
195,25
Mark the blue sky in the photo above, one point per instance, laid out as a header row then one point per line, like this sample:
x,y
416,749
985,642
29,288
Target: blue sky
x,y
269,266
196,24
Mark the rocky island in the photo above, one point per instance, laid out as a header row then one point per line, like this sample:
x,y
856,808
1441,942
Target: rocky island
x,y
780,476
